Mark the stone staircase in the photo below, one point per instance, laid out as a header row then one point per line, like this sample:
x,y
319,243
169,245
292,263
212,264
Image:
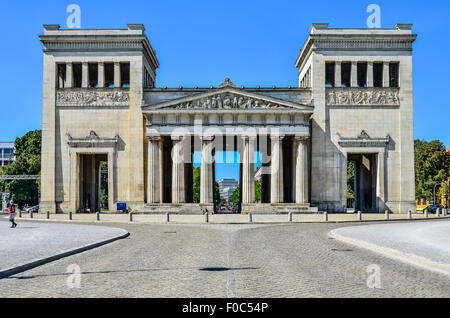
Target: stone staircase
x,y
285,208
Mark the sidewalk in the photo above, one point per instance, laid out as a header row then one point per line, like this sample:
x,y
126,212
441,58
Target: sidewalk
x,y
31,244
224,218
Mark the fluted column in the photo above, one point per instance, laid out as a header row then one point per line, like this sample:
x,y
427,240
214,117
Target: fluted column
x,y
178,190
85,75
276,169
69,75
337,75
153,181
386,74
354,75
248,170
101,74
117,82
369,74
206,172
301,167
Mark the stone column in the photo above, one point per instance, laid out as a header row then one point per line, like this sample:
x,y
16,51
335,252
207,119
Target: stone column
x,y
153,195
74,182
206,172
178,191
85,75
386,74
301,173
111,182
117,74
337,75
69,75
93,175
380,182
276,169
354,74
101,74
248,169
369,74
161,169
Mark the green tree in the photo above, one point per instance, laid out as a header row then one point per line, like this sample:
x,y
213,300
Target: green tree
x,y
432,165
28,162
351,178
196,186
104,185
257,190
235,197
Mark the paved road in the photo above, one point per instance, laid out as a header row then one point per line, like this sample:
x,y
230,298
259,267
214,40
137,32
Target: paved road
x,y
32,241
166,260
422,243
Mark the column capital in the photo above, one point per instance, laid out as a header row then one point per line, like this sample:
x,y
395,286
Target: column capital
x,y
301,138
154,138
206,138
247,137
278,137
178,138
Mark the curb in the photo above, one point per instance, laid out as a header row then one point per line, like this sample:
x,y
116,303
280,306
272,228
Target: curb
x,y
395,254
24,267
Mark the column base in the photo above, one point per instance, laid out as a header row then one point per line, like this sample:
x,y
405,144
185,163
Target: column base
x,y
278,208
180,208
49,206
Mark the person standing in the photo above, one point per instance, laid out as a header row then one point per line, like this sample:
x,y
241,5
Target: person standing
x,y
12,213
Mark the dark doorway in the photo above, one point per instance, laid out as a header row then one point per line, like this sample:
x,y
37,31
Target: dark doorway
x,y
91,177
365,180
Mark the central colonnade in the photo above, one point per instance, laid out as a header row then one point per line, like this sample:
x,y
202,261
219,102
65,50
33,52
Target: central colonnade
x,y
284,158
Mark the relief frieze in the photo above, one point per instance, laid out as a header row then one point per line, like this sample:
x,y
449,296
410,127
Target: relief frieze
x,y
363,96
92,98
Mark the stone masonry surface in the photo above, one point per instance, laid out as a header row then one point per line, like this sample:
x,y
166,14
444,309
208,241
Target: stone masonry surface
x,y
217,260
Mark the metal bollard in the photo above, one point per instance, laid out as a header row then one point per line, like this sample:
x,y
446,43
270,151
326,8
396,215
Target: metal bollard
x,y
47,215
290,216
386,213
438,212
20,213
409,215
250,218
426,213
97,216
206,217
325,216
167,217
31,214
445,212
70,216
131,216
359,216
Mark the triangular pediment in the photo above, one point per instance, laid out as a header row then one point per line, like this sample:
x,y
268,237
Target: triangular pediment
x,y
227,99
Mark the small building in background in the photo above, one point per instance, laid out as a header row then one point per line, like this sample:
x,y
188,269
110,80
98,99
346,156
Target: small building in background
x,y
6,153
227,188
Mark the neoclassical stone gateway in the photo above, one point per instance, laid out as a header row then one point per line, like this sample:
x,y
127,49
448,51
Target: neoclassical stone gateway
x,y
354,103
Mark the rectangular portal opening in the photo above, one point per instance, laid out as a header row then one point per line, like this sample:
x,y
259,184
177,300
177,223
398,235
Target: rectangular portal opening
x,y
93,75
346,69
362,74
378,74
93,183
109,74
77,74
361,182
329,74
394,74
125,74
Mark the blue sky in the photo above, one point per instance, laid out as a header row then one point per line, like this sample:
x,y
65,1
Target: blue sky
x,y
202,42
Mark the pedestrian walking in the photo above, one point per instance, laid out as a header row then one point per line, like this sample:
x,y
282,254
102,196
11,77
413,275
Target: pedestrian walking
x,y
12,213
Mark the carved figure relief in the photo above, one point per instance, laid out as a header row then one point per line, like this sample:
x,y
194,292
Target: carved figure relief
x,y
362,96
92,98
227,101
